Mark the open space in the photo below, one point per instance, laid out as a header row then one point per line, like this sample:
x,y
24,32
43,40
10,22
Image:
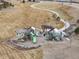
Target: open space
x,y
28,14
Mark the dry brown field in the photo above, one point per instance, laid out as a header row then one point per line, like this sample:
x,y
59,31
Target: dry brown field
x,y
22,15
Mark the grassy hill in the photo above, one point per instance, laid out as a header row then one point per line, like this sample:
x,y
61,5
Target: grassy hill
x,y
22,15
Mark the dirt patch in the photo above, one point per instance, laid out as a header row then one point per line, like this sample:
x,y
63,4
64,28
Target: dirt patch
x,y
9,52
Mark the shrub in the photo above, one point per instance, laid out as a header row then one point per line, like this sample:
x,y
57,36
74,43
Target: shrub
x,y
78,21
11,4
54,16
77,30
58,18
5,5
0,6
23,1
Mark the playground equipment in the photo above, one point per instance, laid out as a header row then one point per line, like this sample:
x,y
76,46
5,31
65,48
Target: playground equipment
x,y
31,33
27,34
33,37
27,38
54,35
51,33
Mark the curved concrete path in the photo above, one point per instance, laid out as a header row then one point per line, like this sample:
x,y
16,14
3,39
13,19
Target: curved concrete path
x,y
61,50
66,24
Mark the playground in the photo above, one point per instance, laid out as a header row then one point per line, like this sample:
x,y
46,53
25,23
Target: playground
x,y
25,30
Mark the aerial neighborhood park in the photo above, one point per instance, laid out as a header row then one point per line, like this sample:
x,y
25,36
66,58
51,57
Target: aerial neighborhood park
x,y
39,29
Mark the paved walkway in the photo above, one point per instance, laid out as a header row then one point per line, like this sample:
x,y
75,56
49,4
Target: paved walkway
x,y
66,24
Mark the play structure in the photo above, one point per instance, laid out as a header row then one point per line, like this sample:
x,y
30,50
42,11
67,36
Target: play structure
x,y
53,41
33,37
28,38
